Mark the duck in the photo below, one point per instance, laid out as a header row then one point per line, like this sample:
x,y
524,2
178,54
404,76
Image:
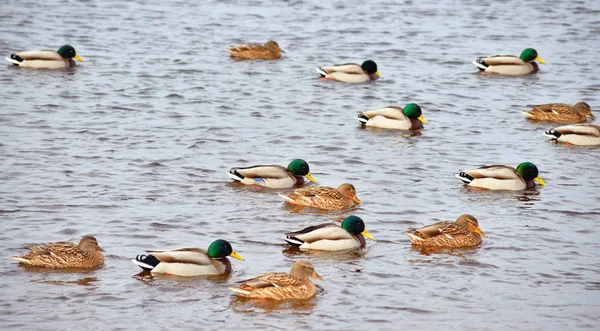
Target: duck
x,y
560,113
576,134
273,176
509,64
350,72
324,197
46,59
392,117
281,285
330,236
269,51
59,255
188,262
502,177
464,232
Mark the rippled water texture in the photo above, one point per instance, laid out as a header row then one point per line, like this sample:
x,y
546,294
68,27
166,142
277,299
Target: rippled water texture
x,y
133,147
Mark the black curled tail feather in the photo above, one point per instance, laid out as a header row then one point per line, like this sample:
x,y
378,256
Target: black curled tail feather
x,y
236,173
16,57
362,118
481,64
553,134
465,177
147,262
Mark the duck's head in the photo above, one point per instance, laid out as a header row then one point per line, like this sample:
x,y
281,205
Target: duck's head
x,y
413,111
584,109
68,52
470,222
273,46
530,54
304,270
222,248
89,244
355,225
370,67
349,192
299,167
529,171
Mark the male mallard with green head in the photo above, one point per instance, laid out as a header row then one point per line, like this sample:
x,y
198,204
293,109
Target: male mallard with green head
x,y
350,72
502,177
576,134
392,117
273,176
46,59
330,236
509,64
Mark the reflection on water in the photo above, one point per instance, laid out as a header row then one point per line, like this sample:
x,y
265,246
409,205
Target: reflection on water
x,y
344,255
87,281
267,306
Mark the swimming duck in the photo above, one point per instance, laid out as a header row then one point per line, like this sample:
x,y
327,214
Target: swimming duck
x,y
273,176
560,112
330,236
324,197
190,261
392,117
46,59
576,134
463,232
281,285
509,64
87,254
269,51
501,177
350,72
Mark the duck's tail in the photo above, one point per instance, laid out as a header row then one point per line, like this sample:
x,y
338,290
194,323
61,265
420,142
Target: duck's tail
x,y
413,238
479,63
239,291
293,241
362,118
465,177
14,59
235,175
553,134
146,262
321,72
526,113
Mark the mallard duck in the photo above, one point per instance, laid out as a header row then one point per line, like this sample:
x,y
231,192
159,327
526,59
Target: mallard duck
x,y
576,134
273,176
46,59
280,285
501,177
330,236
87,254
392,117
190,261
463,232
350,72
324,197
560,112
509,64
269,51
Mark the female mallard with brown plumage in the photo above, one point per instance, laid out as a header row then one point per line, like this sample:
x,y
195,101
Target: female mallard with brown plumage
x,y
190,261
273,176
560,113
392,117
281,285
464,232
269,51
324,197
502,177
577,134
46,59
330,236
350,72
509,64
64,254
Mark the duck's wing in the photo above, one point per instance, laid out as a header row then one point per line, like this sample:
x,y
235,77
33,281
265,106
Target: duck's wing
x,y
326,231
494,171
391,112
55,248
347,68
580,129
552,108
448,229
183,255
45,55
508,60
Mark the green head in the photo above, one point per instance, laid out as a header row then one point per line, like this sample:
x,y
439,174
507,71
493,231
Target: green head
x,y
299,167
413,111
370,67
529,171
530,54
68,52
355,225
221,248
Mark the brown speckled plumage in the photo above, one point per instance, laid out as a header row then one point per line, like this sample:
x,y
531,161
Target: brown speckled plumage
x,y
87,254
280,285
464,232
560,113
324,197
268,51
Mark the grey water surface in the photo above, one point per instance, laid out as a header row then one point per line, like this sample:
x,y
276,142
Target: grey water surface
x,y
133,146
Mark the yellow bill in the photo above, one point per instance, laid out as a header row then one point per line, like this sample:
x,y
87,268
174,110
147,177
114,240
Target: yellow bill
x,y
377,73
478,231
422,119
310,177
77,57
236,255
356,199
367,235
316,276
539,59
539,180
